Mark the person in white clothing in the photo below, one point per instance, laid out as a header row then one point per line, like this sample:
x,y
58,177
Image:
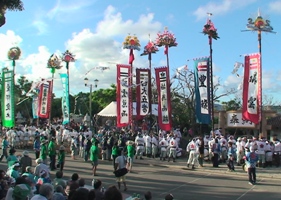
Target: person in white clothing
x,y
261,152
193,151
173,145
223,143
147,140
239,151
139,141
154,143
163,149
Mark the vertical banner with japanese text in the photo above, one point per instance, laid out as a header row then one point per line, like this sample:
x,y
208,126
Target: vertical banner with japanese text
x,y
65,99
252,88
45,95
164,98
124,103
8,100
202,90
143,98
35,104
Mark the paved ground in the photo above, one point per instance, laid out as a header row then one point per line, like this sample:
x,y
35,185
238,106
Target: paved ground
x,y
162,178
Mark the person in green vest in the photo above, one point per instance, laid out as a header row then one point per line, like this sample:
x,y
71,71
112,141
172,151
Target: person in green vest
x,y
44,151
29,175
5,145
130,155
61,157
13,172
94,156
52,153
115,153
12,159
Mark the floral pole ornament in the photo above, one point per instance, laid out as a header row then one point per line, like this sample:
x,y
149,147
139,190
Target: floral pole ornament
x,y
54,63
68,57
149,49
166,39
210,30
14,54
132,43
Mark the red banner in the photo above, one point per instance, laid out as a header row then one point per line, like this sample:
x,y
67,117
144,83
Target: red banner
x,y
252,89
143,96
123,100
164,98
45,95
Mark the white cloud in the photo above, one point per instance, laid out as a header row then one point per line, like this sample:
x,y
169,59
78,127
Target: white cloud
x,y
220,8
275,7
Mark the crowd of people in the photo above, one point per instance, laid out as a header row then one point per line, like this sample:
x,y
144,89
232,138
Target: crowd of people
x,y
50,146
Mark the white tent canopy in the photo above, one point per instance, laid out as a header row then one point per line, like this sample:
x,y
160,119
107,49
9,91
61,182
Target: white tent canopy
x,y
111,110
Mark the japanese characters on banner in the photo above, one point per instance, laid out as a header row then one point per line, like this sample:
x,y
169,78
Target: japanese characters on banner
x,y
45,96
65,99
124,103
164,98
143,96
202,90
252,88
8,100
235,119
35,104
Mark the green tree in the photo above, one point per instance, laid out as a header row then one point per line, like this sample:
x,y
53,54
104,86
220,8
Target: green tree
x,y
234,104
13,5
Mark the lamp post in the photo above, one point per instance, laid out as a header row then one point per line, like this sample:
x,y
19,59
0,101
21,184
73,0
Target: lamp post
x,y
96,81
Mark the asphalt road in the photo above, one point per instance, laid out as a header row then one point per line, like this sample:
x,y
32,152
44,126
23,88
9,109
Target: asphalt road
x,y
181,182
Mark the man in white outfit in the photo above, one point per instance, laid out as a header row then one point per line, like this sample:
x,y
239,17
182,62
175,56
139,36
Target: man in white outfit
x,y
139,141
173,145
193,151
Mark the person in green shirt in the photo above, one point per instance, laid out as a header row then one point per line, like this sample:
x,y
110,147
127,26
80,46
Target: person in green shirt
x,y
94,156
5,145
44,151
115,153
130,155
52,153
12,159
61,157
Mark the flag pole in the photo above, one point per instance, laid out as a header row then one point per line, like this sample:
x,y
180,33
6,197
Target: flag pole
x,y
210,30
132,43
54,62
149,49
260,25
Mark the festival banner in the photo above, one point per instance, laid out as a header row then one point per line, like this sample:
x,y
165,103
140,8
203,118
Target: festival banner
x,y
8,100
164,98
202,90
124,103
45,95
35,104
252,88
65,99
143,96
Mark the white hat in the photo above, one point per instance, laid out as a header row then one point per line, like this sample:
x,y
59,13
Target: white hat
x,y
25,153
39,160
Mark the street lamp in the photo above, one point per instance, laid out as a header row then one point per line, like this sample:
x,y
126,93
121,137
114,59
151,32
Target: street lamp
x,y
96,81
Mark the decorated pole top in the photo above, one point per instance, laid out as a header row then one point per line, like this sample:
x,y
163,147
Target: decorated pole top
x,y
166,39
131,42
14,54
54,62
209,28
149,48
68,57
259,24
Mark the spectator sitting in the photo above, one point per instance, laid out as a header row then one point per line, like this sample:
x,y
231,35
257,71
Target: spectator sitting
x,y
28,174
82,190
72,184
112,193
92,195
148,195
13,171
58,180
46,192
21,192
59,193
169,197
97,185
18,181
25,161
43,178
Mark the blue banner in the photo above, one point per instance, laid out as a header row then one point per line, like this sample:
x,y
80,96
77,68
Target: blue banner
x,y
202,90
65,99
